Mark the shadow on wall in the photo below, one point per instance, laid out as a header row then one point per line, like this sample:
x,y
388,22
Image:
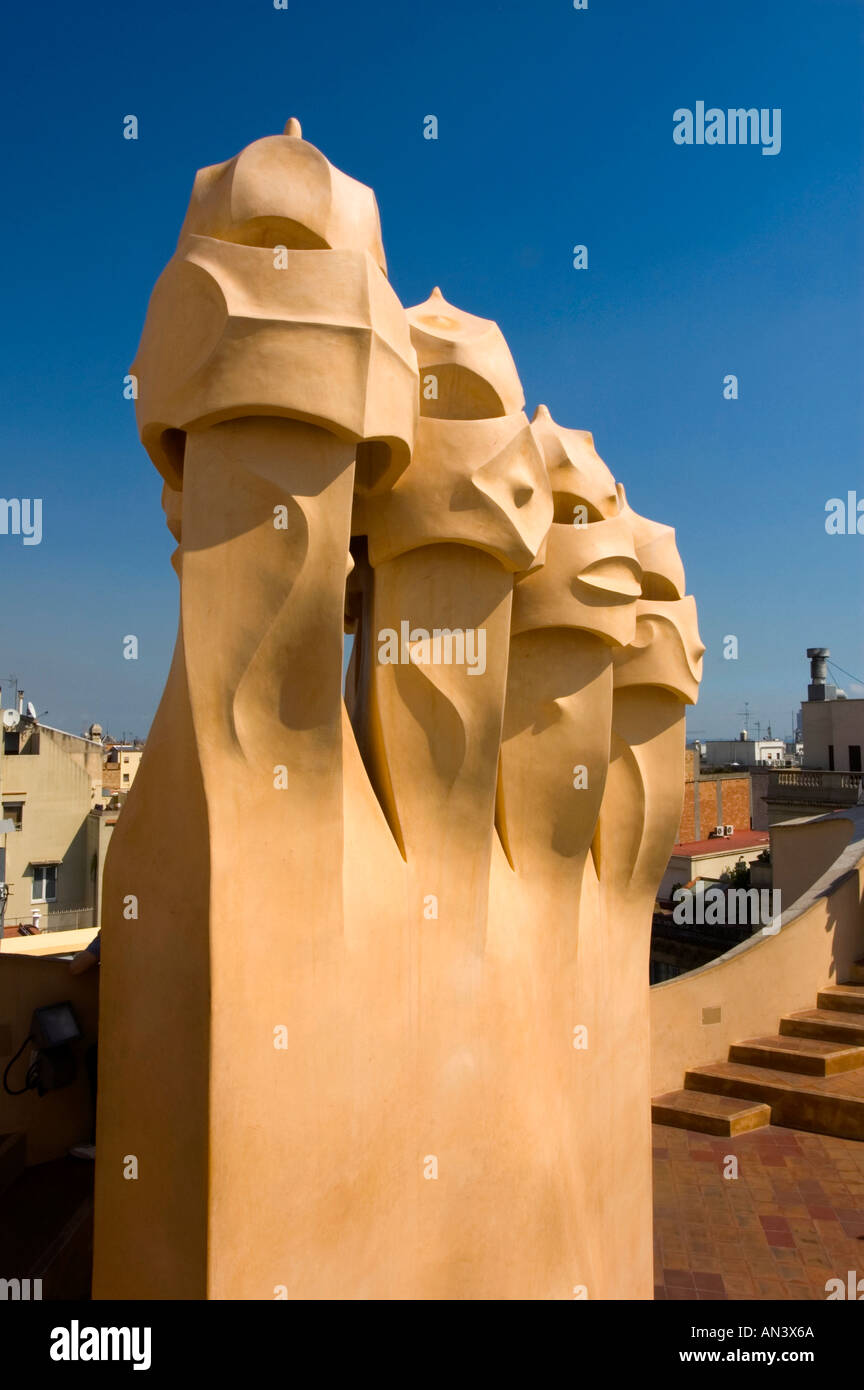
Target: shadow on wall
x,y
803,852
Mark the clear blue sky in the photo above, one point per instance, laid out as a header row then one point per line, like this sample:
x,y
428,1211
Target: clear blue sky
x,y
555,128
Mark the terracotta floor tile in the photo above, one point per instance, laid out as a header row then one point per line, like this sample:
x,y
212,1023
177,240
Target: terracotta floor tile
x,y
739,1285
827,1230
781,1229
814,1259
769,1288
774,1223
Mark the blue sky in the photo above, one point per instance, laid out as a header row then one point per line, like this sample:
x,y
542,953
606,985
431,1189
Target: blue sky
x,y
555,128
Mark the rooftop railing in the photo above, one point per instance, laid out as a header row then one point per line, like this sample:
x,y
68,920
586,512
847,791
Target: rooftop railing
x,y
814,786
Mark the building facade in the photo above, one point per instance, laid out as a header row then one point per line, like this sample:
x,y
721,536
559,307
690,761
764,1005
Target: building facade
x,y
712,799
757,752
830,777
51,788
121,764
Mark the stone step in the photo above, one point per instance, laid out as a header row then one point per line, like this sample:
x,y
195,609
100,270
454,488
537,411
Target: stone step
x,y
832,1025
708,1114
820,1104
847,997
810,1056
856,974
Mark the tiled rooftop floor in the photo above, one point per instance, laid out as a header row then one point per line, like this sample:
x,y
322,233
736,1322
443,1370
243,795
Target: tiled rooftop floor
x,y
793,1218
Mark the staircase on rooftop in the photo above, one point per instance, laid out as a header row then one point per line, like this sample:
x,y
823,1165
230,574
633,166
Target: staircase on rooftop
x,y
808,1076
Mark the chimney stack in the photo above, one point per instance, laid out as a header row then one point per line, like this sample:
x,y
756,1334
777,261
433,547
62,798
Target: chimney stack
x,y
818,689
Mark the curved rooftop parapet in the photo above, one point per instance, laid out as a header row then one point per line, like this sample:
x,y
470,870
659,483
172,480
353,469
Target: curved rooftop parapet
x,y
814,942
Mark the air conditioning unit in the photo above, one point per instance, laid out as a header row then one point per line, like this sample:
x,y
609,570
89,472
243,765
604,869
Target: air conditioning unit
x,y
728,830
718,830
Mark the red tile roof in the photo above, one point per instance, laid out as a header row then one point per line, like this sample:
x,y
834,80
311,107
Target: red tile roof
x,y
721,844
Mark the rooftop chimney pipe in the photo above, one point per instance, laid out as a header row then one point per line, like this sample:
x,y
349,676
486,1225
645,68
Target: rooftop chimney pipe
x,y
817,689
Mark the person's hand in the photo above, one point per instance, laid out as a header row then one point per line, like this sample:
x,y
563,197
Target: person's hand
x,y
81,961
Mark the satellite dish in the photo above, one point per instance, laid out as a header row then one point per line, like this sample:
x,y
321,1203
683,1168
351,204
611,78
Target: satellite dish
x,y
11,719
31,710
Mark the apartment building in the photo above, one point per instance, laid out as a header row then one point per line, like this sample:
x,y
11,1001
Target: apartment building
x,y
52,851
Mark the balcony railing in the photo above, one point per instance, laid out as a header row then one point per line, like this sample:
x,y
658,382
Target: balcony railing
x,y
815,788
55,919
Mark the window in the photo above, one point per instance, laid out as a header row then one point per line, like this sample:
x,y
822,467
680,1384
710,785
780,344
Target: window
x,y
854,757
830,757
13,810
125,776
13,744
44,883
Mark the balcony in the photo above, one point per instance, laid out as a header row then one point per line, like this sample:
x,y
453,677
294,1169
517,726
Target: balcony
x,y
805,787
